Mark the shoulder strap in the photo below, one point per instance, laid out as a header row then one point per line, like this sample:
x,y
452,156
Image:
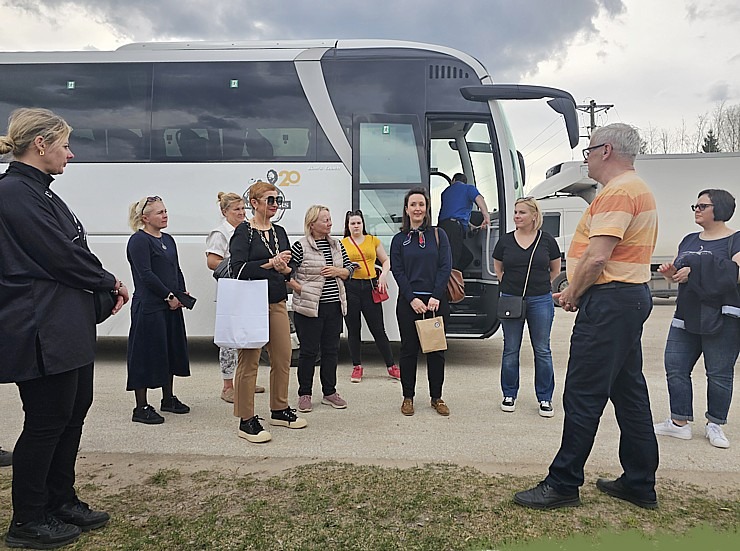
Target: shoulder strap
x,y
531,257
361,254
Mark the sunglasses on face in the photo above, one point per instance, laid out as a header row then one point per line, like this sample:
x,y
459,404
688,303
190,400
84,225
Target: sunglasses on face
x,y
271,200
701,207
153,199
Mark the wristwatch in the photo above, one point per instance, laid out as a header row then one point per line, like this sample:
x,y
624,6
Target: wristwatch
x,y
170,297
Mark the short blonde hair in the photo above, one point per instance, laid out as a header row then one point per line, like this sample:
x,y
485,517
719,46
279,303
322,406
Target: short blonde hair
x,y
534,206
138,209
225,200
25,124
312,215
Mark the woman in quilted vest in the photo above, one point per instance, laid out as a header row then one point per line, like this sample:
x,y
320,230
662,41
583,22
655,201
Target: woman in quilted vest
x,y
320,265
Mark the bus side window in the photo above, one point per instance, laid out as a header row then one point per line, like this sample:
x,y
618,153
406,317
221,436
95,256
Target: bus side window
x,y
193,145
126,144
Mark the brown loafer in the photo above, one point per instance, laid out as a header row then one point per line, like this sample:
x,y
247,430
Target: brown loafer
x,y
441,407
259,389
407,408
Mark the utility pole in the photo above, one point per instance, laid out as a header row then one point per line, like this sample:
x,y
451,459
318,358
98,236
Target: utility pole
x,y
592,108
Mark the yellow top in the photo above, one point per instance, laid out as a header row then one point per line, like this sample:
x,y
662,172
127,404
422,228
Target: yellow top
x,y
368,247
624,208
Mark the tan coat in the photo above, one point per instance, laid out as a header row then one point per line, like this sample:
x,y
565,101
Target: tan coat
x,y
308,275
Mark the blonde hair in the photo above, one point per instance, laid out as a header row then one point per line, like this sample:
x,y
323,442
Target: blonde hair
x,y
312,215
138,209
225,200
25,124
532,203
258,189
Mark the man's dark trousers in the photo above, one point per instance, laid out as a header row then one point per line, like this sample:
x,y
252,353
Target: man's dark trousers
x,y
606,364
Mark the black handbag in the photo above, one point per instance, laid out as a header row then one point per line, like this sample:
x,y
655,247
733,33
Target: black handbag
x,y
514,307
104,303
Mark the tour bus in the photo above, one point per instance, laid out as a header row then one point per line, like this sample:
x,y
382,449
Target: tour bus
x,y
344,123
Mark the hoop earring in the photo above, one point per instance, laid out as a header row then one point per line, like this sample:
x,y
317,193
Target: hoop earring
x,y
41,152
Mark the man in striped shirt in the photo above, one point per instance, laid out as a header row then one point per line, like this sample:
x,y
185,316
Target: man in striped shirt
x,y
608,270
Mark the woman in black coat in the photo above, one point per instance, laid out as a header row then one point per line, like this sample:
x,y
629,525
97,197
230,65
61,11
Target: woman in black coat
x,y
47,330
157,345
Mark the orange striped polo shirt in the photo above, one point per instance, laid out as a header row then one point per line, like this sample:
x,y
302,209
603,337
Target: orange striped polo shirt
x,y
624,208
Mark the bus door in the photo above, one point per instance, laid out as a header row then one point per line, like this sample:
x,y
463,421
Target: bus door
x,y
464,145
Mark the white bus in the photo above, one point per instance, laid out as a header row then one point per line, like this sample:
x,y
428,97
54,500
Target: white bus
x,y
345,123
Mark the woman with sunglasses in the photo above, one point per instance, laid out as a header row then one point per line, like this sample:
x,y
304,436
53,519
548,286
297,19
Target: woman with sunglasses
x,y
707,318
320,266
261,250
421,262
157,344
363,250
233,210
47,331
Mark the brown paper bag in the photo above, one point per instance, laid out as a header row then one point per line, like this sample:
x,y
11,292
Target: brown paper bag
x,y
431,334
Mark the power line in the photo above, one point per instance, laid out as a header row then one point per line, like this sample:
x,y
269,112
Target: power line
x,y
592,108
542,132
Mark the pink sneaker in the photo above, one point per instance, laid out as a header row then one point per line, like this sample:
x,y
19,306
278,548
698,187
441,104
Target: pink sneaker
x,y
304,403
394,372
335,401
356,376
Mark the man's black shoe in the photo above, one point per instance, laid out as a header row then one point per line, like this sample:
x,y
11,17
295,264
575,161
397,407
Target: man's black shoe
x,y
544,496
48,533
79,513
616,488
6,458
173,405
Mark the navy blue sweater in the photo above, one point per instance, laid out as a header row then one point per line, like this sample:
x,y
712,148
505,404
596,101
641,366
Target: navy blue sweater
x,y
421,270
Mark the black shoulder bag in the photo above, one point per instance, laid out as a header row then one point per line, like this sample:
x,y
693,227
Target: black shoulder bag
x,y
513,307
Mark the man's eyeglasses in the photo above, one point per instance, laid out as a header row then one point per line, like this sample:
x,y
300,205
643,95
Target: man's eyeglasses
x,y
701,207
588,150
271,200
152,199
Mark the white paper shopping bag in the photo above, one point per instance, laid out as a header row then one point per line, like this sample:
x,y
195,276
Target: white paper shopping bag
x,y
242,314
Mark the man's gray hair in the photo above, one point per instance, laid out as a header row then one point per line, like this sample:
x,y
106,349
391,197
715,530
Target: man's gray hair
x,y
625,139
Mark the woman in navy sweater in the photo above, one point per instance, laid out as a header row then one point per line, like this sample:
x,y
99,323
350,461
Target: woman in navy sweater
x,y
421,263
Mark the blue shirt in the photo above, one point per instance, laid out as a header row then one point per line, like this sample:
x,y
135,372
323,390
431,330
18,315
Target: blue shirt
x,y
421,270
457,202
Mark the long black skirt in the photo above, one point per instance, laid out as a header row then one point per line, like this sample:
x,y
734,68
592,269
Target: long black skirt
x,y
157,347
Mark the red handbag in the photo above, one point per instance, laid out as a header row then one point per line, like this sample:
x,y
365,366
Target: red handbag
x,y
378,295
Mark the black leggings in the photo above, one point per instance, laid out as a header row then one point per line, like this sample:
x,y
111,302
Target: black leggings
x,y
45,454
360,301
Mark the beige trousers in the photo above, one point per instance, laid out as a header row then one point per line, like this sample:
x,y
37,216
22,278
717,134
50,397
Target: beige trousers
x,y
279,350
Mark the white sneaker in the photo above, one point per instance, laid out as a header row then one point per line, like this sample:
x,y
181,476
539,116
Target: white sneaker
x,y
716,437
508,404
669,428
546,409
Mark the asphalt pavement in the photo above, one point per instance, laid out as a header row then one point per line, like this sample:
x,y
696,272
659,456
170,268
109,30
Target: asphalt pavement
x,y
372,429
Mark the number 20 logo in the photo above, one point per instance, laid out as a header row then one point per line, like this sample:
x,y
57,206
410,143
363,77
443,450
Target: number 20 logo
x,y
286,177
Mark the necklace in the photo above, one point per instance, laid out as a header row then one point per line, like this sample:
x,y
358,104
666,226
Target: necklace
x,y
160,240
274,237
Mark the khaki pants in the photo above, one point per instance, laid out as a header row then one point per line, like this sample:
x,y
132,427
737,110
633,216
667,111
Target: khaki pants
x,y
279,350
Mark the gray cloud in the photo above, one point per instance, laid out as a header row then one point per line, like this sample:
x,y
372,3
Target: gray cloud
x,y
510,38
718,91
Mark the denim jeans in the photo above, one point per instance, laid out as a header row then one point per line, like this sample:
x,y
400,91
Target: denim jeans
x,y
720,350
606,364
539,316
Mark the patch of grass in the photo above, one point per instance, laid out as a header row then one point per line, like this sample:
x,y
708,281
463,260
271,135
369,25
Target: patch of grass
x,y
342,506
163,477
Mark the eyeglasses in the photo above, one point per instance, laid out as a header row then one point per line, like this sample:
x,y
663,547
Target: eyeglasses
x,y
357,212
271,200
701,207
153,199
588,150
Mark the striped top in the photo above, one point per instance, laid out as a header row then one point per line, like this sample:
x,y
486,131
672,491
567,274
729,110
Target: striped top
x,y
330,292
624,208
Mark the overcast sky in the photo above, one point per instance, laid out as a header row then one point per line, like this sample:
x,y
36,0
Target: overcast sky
x,y
660,62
